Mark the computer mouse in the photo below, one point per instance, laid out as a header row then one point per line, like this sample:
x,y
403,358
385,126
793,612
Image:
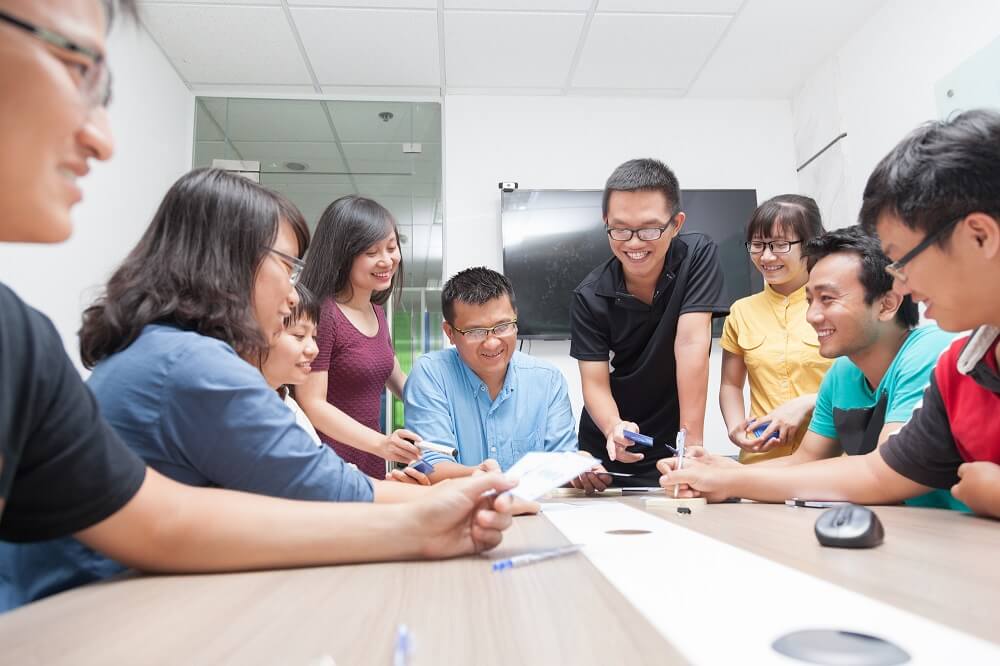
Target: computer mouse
x,y
849,526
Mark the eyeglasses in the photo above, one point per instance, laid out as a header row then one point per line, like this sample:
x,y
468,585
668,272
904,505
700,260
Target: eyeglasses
x,y
479,334
644,234
294,264
895,269
775,246
95,77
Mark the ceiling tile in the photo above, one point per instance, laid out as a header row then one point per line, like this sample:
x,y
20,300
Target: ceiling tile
x,y
243,89
227,44
484,49
377,92
537,5
370,4
277,120
370,47
774,44
671,6
649,51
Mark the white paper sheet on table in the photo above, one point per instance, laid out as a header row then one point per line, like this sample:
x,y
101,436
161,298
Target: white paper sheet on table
x,y
719,604
539,472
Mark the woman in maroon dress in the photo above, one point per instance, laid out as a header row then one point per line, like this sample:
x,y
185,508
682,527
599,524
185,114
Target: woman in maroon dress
x,y
354,266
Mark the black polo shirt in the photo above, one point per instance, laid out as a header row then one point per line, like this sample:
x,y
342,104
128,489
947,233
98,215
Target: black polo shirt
x,y
609,323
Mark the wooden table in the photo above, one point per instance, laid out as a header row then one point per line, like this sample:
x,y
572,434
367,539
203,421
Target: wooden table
x,y
938,564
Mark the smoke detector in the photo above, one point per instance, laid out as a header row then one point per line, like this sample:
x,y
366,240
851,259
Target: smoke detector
x,y
386,116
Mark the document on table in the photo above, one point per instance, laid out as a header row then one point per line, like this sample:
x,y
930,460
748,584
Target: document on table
x,y
539,472
746,599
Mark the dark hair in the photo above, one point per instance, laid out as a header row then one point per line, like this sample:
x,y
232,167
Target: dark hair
x,y
474,286
938,173
307,308
348,227
874,279
644,174
791,212
194,266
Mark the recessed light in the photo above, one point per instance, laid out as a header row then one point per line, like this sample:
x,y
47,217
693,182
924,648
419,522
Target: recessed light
x,y
296,166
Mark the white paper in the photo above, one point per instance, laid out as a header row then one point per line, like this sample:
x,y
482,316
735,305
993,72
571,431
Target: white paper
x,y
556,506
719,604
539,472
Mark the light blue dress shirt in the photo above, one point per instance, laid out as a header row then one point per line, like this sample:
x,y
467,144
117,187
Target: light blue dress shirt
x,y
448,404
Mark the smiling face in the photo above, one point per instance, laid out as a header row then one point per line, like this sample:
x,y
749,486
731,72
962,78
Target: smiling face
x,y
487,358
642,261
289,360
782,268
273,293
844,323
373,269
48,134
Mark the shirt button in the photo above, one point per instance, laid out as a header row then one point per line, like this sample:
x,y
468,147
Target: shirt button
x,y
482,388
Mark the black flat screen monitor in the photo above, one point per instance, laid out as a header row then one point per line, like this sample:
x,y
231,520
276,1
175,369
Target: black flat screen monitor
x,y
553,238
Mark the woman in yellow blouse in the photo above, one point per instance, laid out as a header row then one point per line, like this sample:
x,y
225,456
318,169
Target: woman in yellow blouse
x,y
766,336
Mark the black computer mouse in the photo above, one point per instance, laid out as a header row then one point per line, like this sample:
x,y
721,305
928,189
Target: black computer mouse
x,y
849,526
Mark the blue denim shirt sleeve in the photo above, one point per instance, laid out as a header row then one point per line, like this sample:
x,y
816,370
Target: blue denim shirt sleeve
x,y
428,412
230,425
560,429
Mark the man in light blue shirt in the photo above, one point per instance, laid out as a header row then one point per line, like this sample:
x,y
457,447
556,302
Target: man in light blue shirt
x,y
492,403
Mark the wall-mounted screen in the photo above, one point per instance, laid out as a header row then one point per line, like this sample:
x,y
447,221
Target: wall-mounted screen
x,y
553,238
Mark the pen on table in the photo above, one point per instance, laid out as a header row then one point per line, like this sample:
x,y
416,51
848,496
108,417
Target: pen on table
x,y
404,647
681,436
531,558
437,448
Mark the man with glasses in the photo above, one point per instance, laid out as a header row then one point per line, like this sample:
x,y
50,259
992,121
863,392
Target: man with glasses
x,y
63,469
491,402
648,312
934,201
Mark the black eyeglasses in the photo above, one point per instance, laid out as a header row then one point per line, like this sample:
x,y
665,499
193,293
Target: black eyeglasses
x,y
775,246
644,234
895,269
294,264
95,77
478,334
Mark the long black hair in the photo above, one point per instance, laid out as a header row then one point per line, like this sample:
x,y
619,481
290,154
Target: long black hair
x,y
348,227
791,212
194,267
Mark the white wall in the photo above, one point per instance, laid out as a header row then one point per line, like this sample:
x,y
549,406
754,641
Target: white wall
x,y
877,87
152,117
575,143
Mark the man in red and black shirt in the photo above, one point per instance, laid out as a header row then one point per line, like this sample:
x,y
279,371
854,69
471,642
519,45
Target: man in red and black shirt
x,y
934,202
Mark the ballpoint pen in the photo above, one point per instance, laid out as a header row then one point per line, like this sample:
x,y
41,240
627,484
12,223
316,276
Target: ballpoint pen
x,y
403,651
681,437
531,558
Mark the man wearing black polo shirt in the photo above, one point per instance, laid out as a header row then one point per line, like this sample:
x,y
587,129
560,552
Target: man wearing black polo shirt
x,y
648,310
63,469
934,201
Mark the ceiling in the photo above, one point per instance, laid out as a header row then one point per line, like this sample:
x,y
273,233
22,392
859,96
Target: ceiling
x,y
406,48
342,148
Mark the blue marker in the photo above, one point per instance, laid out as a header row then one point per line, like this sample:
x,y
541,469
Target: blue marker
x,y
531,558
681,440
422,466
641,440
759,430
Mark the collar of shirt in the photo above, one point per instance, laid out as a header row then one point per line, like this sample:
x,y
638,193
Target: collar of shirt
x,y
478,387
975,360
779,300
611,283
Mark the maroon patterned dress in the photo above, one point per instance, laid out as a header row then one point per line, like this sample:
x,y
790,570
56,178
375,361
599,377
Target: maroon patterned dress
x,y
357,368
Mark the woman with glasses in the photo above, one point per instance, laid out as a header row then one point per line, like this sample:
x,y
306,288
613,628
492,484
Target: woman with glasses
x,y
767,340
355,266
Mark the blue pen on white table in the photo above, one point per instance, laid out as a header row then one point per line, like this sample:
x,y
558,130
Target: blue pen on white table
x,y
681,437
531,558
403,653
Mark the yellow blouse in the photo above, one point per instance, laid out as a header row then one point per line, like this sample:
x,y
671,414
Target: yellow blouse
x,y
781,352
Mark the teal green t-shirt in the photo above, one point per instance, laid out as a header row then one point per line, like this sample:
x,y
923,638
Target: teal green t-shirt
x,y
850,411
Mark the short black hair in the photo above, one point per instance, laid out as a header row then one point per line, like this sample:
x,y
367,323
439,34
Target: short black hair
x,y
644,175
308,307
940,172
792,212
474,286
874,279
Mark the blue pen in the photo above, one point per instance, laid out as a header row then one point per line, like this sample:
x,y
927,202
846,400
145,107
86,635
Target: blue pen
x,y
404,647
531,558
